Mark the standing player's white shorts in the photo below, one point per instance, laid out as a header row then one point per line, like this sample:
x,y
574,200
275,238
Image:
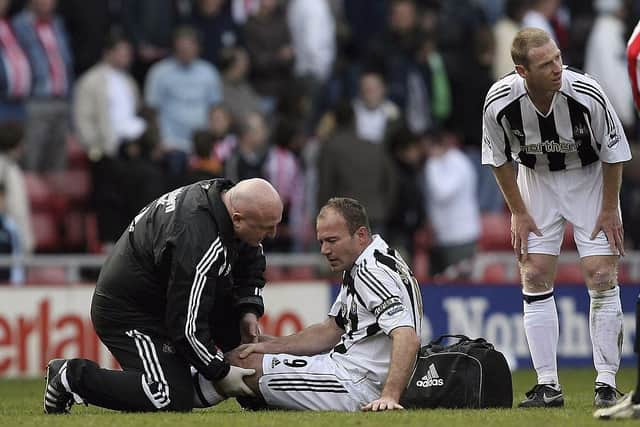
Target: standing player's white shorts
x,y
573,195
314,383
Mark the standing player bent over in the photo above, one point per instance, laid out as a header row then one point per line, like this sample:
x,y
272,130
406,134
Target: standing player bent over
x,y
559,127
362,356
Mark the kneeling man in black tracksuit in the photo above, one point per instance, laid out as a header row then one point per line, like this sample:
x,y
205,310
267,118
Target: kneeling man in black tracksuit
x,y
182,285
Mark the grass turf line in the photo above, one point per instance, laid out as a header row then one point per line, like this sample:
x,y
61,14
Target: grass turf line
x,y
21,405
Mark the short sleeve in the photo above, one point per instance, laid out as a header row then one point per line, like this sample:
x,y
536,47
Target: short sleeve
x,y
607,128
382,296
493,140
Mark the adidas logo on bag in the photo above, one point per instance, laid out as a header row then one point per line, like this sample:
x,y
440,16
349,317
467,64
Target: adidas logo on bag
x,y
432,379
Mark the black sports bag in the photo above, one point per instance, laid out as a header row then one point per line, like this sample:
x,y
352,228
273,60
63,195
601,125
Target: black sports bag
x,y
466,374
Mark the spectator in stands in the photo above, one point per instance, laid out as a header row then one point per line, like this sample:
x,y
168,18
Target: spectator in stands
x,y
452,207
470,85
9,244
222,128
605,57
141,177
182,88
351,167
284,171
376,116
239,97
16,203
212,19
313,33
503,33
203,164
255,157
408,208
268,42
151,24
43,37
15,71
87,22
105,106
541,14
248,159
396,52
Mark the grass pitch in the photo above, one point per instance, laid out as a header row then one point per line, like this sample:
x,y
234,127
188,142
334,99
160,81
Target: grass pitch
x,y
21,405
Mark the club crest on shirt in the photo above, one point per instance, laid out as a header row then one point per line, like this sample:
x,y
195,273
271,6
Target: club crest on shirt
x,y
580,131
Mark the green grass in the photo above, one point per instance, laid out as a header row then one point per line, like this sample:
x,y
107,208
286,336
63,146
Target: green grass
x,y
21,405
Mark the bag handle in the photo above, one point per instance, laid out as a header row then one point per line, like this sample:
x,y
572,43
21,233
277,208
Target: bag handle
x,y
441,338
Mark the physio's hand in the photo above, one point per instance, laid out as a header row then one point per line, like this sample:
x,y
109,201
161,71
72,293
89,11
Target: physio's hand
x,y
610,223
521,225
233,384
249,328
382,404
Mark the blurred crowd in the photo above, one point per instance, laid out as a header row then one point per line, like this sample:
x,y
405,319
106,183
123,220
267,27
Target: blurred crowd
x,y
379,100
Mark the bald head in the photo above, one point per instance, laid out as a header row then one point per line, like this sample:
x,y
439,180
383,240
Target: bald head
x,y
255,209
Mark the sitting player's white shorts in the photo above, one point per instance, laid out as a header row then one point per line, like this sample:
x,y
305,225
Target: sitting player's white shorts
x,y
552,198
314,383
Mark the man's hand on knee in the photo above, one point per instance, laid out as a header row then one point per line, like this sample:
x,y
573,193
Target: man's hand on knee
x,y
233,384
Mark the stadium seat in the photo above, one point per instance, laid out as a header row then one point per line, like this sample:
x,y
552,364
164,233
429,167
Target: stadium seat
x,y
76,155
46,276
496,232
75,231
74,185
45,230
569,274
94,245
567,240
38,192
495,273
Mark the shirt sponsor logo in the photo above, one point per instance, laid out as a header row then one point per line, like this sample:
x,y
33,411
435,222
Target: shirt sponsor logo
x,y
551,147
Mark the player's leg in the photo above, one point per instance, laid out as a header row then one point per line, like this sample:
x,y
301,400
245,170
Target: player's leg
x,y
539,194
153,376
314,383
605,323
541,329
599,265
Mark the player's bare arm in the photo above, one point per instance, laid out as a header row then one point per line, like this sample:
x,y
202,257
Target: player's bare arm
x,y
521,222
609,219
249,328
315,339
403,357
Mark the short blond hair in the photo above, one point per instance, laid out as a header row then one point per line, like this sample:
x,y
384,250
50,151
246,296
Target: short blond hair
x,y
525,40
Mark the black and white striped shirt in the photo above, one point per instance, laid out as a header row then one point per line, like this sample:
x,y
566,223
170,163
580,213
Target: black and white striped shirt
x,y
580,128
378,294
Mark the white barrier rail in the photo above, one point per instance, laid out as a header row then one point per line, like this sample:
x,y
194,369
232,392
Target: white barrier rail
x,y
74,263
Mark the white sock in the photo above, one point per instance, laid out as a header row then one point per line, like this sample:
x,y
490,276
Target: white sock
x,y
205,394
605,327
541,329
